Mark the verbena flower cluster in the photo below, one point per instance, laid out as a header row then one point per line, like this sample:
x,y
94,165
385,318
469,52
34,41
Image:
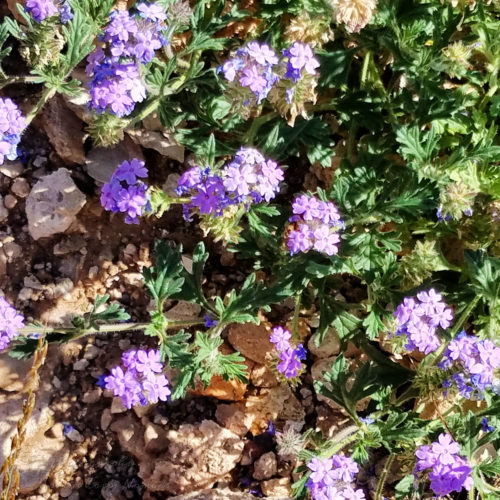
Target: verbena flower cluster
x,y
129,42
448,470
12,124
40,10
419,318
10,323
140,379
256,73
290,357
332,479
248,178
472,363
125,192
315,226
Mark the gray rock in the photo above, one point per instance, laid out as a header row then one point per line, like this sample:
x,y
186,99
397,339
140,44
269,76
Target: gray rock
x,y
4,213
102,162
265,467
164,143
53,204
12,169
20,187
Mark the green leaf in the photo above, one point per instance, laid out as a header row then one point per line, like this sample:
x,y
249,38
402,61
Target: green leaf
x,y
163,280
404,487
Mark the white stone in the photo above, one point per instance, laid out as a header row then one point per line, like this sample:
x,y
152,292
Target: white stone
x,y
53,204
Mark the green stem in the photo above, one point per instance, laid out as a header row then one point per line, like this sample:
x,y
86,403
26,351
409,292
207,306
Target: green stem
x,y
113,328
168,90
364,69
341,442
47,95
383,476
296,314
256,124
19,79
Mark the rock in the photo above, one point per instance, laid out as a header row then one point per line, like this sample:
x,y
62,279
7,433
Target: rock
x,y
91,352
70,244
232,418
92,396
12,373
225,390
329,347
278,403
251,340
70,351
66,491
262,376
80,365
106,419
20,187
196,457
39,454
170,185
279,487
265,467
64,130
12,250
117,406
12,169
112,490
102,162
154,438
183,310
164,143
65,307
9,202
4,213
53,204
216,494
73,435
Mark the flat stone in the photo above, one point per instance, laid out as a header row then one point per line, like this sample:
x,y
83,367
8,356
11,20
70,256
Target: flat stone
x,y
329,347
12,169
162,142
102,162
265,467
252,341
53,204
65,130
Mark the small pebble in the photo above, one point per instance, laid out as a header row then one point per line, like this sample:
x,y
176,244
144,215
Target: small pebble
x,y
20,187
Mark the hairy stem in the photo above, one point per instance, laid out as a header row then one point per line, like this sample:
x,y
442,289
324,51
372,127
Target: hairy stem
x,y
383,476
46,96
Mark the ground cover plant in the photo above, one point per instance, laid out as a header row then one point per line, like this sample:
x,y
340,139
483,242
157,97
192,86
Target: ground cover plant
x,y
336,145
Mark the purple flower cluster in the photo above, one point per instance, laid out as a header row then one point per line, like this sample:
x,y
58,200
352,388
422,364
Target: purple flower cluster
x,y
249,178
12,123
472,363
332,479
252,68
290,357
130,41
140,379
300,61
449,471
316,224
10,323
419,318
252,178
256,73
40,10
447,217
125,192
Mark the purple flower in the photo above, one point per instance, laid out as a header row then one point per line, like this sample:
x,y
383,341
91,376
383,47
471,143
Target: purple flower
x,y
316,224
300,57
124,192
39,10
251,72
140,380
65,11
419,317
152,11
485,426
250,177
280,337
332,479
10,323
209,322
290,357
12,124
471,363
449,471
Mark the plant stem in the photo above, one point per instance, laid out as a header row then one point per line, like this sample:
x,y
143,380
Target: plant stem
x,y
113,328
296,314
19,79
383,476
341,442
47,95
256,124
